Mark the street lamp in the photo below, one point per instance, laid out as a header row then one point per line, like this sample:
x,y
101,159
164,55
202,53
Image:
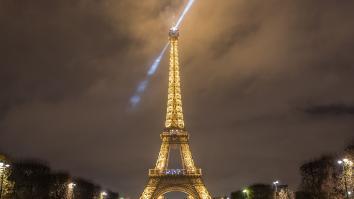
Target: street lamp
x,y
103,194
71,185
275,183
3,166
345,163
70,192
246,193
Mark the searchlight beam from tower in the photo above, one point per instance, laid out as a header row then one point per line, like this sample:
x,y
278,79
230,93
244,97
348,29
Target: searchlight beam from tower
x,y
136,98
183,14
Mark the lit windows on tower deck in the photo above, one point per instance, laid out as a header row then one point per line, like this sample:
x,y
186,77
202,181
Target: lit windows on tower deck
x,y
173,131
174,172
175,137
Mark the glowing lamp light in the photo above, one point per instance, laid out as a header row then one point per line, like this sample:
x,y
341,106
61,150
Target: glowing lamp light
x,y
71,185
104,193
245,191
345,161
3,165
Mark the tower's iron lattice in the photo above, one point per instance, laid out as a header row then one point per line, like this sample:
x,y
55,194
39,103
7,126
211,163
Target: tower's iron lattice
x,y
187,179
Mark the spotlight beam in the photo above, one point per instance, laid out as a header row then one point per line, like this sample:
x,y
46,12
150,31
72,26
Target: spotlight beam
x,y
183,14
136,98
156,63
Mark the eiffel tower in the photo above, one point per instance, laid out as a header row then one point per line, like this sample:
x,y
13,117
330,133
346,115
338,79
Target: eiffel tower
x,y
187,179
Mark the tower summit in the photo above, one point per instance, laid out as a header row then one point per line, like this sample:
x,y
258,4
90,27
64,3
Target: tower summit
x,y
188,177
174,115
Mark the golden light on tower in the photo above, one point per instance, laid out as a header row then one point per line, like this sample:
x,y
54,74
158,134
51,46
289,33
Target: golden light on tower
x,y
174,115
187,178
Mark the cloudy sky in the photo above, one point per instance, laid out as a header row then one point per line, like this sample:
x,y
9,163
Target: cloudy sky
x,y
267,85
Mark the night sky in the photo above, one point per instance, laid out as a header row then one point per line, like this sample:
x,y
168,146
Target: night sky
x,y
266,86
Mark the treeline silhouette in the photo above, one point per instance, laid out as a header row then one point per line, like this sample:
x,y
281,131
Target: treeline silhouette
x,y
327,177
34,179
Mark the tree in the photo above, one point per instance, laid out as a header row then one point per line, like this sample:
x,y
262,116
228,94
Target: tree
x,y
86,189
302,195
5,184
255,191
319,179
238,195
112,195
349,151
285,193
59,185
261,191
32,180
347,177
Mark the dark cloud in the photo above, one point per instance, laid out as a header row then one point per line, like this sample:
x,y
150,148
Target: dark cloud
x,y
332,109
236,36
68,69
51,50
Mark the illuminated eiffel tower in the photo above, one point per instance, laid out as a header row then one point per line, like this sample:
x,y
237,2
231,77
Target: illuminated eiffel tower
x,y
187,179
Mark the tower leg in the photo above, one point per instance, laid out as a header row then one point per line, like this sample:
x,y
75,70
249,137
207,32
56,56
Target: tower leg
x,y
192,186
187,157
201,189
162,160
150,189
